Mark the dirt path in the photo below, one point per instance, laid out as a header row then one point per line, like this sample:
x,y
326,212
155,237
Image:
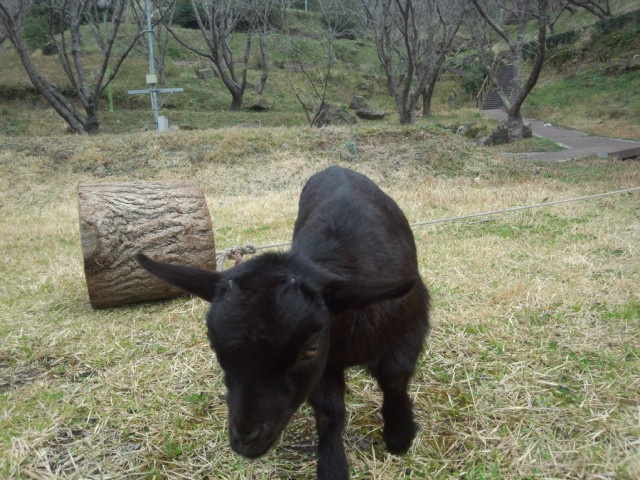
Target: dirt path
x,y
578,144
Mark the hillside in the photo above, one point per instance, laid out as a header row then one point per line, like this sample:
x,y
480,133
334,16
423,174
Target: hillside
x,y
578,88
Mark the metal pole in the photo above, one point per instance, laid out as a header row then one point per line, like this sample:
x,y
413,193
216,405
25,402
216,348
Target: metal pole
x,y
105,14
152,70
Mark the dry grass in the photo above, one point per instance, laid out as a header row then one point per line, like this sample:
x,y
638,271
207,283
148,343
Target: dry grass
x,y
532,369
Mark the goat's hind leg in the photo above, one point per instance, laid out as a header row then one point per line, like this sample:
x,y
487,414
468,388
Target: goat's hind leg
x,y
393,375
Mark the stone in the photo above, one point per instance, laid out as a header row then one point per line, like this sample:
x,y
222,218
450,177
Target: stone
x,y
500,135
333,115
206,73
615,66
358,102
453,99
465,128
260,105
366,86
370,114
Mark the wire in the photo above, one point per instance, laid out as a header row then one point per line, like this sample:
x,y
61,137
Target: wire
x,y
249,249
515,209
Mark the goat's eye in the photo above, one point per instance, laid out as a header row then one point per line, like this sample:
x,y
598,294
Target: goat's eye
x,y
311,350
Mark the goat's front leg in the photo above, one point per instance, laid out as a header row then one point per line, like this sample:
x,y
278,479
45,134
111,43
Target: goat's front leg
x,y
327,401
399,427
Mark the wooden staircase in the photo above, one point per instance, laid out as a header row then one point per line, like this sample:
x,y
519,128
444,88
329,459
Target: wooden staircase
x,y
488,96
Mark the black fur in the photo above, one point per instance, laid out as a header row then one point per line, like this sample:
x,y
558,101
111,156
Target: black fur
x,y
285,326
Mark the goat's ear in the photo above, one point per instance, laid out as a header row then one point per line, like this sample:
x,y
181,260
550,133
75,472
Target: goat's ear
x,y
198,282
342,295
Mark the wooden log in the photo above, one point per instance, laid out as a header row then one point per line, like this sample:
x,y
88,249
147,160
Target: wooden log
x,y
168,221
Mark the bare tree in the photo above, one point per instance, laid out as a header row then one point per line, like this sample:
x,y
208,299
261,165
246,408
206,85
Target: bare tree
x,y
337,15
16,10
316,75
162,20
412,38
86,84
262,11
599,8
217,22
520,12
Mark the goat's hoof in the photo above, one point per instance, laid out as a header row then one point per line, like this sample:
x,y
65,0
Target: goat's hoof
x,y
399,440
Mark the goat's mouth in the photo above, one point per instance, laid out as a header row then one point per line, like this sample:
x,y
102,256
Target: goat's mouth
x,y
256,443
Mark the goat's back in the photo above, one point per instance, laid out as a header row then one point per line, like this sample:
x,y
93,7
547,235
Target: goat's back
x,y
349,225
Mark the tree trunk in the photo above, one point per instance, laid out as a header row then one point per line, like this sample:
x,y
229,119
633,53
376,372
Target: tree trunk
x,y
236,102
426,105
515,125
427,95
264,60
92,123
168,221
407,115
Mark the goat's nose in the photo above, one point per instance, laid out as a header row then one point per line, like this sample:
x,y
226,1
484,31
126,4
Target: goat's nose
x,y
244,438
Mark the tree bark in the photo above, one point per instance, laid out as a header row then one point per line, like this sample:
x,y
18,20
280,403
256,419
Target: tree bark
x,y
168,221
427,95
514,39
73,15
515,124
412,39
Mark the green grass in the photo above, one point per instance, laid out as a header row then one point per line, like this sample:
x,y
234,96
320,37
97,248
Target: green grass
x,y
582,98
531,370
577,99
533,144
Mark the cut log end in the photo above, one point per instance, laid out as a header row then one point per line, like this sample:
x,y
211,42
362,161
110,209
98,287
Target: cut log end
x,y
168,221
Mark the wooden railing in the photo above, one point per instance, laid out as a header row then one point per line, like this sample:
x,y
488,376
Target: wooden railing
x,y
487,84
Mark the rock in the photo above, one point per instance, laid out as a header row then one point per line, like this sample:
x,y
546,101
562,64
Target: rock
x,y
500,135
615,66
206,73
465,128
333,115
453,99
370,114
366,86
260,105
358,102
472,129
50,48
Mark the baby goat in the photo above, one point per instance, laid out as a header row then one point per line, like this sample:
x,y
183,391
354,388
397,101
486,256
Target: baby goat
x,y
285,326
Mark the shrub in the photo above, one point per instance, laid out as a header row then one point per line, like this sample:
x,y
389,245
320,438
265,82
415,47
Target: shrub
x,y
183,15
609,25
474,79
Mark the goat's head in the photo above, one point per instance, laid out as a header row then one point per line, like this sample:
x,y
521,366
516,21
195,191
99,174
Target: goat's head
x,y
269,325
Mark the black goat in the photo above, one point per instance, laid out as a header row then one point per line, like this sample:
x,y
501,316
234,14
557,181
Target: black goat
x,y
285,326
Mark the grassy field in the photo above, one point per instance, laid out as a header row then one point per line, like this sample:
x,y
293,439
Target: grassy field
x,y
532,369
